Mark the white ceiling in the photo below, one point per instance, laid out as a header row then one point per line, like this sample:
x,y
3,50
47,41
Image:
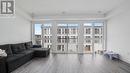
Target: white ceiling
x,y
68,7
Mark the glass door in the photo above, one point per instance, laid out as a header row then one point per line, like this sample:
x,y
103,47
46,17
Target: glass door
x,y
88,38
98,37
37,37
67,38
62,38
93,37
47,35
70,36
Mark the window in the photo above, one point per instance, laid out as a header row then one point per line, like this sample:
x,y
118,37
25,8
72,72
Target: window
x,y
66,39
63,39
88,41
37,34
60,47
59,39
59,31
93,33
88,30
97,30
97,41
73,31
63,31
97,37
88,37
67,35
47,35
73,39
45,31
66,31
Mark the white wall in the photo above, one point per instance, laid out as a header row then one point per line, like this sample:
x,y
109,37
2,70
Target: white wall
x,y
15,29
118,32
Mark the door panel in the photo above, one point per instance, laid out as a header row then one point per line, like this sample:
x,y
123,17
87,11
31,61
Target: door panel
x,y
46,35
67,38
88,38
70,36
62,38
98,37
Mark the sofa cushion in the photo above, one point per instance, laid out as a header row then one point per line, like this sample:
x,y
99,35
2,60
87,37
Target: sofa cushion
x,y
16,48
15,61
23,47
7,48
14,57
26,52
28,45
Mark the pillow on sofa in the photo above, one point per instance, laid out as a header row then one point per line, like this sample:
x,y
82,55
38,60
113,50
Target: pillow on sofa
x,y
16,48
7,49
28,45
23,47
37,46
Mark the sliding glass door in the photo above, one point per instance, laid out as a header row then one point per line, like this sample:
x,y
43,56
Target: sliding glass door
x,y
98,37
46,35
67,38
70,36
73,38
37,34
88,38
93,37
62,38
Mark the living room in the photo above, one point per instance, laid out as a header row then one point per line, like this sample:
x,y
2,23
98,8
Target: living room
x,y
64,36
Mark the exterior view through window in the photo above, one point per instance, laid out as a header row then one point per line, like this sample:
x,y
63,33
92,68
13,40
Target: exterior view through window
x,y
70,37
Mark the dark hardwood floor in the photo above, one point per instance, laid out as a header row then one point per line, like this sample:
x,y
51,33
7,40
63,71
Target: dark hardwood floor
x,y
73,63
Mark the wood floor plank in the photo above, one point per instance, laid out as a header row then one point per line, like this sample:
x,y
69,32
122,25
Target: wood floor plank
x,y
73,63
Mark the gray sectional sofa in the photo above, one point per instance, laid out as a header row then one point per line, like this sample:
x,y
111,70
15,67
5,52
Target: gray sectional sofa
x,y
19,54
